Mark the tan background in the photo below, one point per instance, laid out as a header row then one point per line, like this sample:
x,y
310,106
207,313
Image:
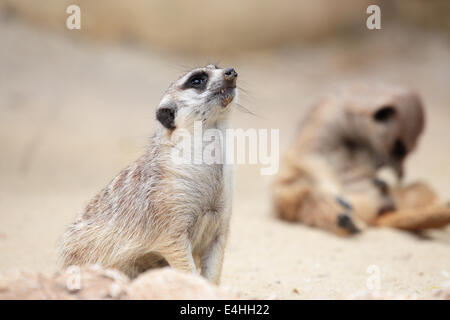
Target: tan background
x,y
78,106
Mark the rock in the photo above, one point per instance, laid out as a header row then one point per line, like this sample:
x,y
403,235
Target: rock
x,y
174,285
91,282
95,282
173,25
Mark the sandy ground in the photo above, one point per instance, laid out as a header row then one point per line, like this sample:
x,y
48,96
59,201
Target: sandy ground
x,y
72,114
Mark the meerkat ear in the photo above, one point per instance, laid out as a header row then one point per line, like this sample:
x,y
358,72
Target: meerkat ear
x,y
166,115
384,113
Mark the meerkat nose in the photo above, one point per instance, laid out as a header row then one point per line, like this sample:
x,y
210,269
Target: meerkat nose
x,y
230,74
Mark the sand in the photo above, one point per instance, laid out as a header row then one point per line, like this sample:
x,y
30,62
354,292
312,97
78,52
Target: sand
x,y
73,113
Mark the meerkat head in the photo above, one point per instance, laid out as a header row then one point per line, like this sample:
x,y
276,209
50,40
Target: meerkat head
x,y
202,94
388,119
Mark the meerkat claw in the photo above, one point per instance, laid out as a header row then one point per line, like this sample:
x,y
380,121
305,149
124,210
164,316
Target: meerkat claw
x,y
345,222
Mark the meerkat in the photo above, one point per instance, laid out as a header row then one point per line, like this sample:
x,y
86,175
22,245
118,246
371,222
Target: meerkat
x,y
157,212
328,178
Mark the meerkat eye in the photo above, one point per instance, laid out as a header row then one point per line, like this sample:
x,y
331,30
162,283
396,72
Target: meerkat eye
x,y
384,114
197,81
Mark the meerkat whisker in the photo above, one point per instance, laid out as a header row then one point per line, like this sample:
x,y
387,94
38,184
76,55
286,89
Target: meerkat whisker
x,y
244,90
243,109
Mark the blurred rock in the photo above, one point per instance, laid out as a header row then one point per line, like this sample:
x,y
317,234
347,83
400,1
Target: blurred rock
x,y
213,27
90,282
94,282
204,27
423,13
174,285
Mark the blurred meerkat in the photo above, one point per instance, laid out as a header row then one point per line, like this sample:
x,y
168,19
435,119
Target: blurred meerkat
x,y
158,212
328,177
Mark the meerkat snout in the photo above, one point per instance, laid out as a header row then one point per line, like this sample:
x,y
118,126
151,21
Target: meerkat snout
x,y
157,212
230,75
228,90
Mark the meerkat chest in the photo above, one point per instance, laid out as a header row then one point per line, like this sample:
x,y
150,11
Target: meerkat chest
x,y
205,178
207,188
353,164
210,203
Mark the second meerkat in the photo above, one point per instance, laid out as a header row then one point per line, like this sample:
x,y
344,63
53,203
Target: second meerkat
x,y
158,212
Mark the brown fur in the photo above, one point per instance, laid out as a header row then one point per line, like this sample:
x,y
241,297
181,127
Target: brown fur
x,y
328,178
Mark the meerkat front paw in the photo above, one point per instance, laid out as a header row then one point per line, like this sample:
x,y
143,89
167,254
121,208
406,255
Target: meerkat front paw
x,y
387,206
345,220
387,203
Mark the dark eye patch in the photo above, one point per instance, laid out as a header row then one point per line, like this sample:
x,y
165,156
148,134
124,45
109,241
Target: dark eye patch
x,y
399,151
384,114
197,81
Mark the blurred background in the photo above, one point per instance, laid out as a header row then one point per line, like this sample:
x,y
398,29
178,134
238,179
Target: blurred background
x,y
76,106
